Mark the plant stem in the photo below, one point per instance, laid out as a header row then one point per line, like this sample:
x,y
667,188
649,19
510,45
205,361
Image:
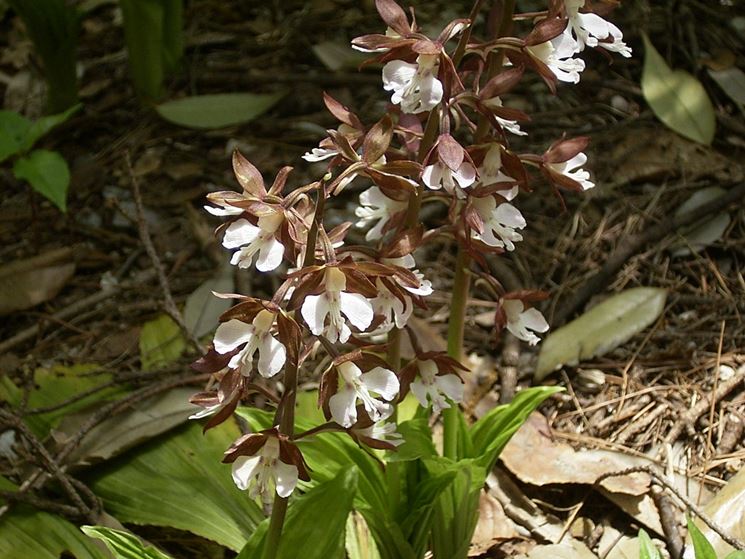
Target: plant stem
x,y
286,408
456,327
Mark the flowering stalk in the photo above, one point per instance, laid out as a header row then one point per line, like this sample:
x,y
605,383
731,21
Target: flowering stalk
x,y
444,138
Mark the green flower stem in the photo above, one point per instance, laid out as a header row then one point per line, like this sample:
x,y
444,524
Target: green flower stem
x,y
456,327
286,408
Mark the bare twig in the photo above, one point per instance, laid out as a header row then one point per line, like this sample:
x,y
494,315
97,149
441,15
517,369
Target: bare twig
x,y
661,480
668,521
169,303
634,244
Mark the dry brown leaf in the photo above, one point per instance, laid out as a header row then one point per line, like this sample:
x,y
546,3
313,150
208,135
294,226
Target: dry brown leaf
x,y
26,283
536,458
569,548
493,526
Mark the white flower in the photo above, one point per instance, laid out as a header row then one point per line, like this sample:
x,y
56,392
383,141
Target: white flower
x,y
259,239
381,431
571,169
500,223
436,387
225,209
439,175
490,172
521,321
256,336
332,303
356,384
593,31
376,205
509,125
557,55
319,154
407,261
394,310
415,86
265,472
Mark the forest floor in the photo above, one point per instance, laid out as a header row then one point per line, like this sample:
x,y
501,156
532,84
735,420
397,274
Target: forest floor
x,y
673,395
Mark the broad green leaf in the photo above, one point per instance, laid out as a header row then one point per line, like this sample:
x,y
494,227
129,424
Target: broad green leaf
x,y
47,173
494,430
732,82
161,343
359,542
202,308
123,544
139,423
677,98
701,546
26,533
55,385
736,555
600,330
701,234
218,110
306,407
13,130
328,454
178,481
647,550
417,442
315,523
45,124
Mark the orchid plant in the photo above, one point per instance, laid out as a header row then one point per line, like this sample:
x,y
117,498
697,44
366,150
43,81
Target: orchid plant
x,y
445,138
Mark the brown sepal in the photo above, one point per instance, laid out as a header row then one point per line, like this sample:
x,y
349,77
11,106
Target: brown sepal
x,y
248,176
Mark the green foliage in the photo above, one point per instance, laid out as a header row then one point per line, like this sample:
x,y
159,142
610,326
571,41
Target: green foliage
x,y
155,44
178,481
53,27
677,98
319,516
46,171
701,546
218,110
161,343
647,549
123,544
22,528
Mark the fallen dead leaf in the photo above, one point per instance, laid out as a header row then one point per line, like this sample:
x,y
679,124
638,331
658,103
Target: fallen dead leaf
x,y
26,283
493,526
569,548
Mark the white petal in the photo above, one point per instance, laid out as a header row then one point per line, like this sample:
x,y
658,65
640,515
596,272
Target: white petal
x,y
342,407
272,355
240,233
451,386
466,175
286,478
432,176
397,74
507,214
229,335
243,470
270,255
223,210
382,381
357,309
533,319
314,311
420,392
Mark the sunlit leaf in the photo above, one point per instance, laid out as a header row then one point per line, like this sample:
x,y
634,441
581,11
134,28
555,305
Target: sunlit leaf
x,y
701,546
26,533
161,343
647,550
359,543
47,173
601,329
123,544
677,98
179,481
318,537
732,82
218,110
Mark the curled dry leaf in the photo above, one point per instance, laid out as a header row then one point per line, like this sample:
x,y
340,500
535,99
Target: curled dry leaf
x,y
26,283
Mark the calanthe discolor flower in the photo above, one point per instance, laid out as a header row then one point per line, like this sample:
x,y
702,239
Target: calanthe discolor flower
x,y
429,386
572,169
415,86
374,205
501,223
522,322
257,337
593,31
265,473
354,385
254,239
558,55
